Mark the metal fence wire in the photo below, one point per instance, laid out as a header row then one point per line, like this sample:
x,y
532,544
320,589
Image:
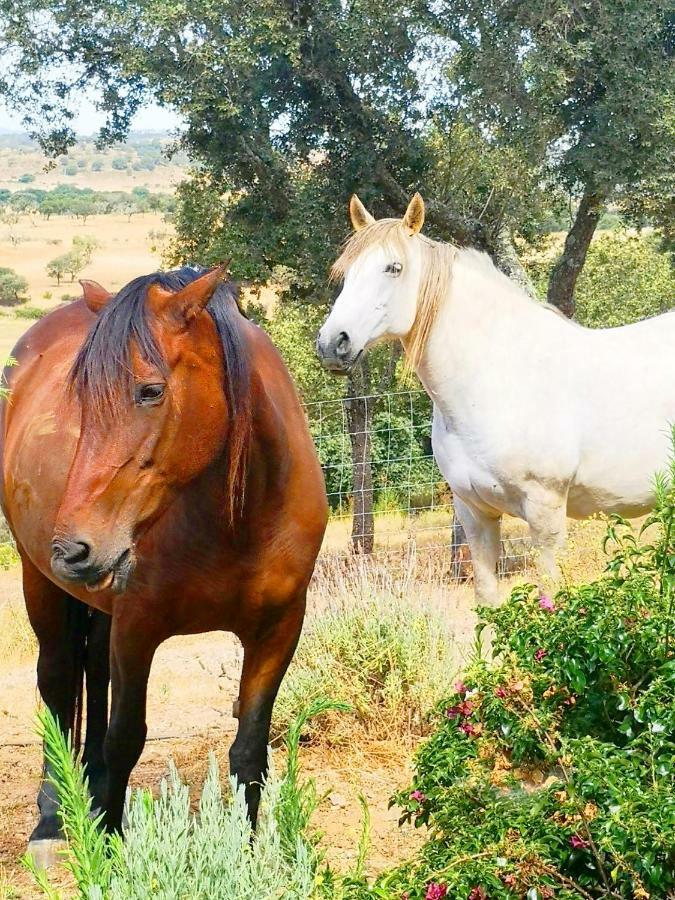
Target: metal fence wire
x,y
375,451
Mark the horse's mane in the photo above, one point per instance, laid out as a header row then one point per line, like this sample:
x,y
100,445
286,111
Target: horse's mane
x,y
103,372
437,264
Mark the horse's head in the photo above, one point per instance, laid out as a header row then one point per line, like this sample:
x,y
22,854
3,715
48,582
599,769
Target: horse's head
x,y
382,268
154,414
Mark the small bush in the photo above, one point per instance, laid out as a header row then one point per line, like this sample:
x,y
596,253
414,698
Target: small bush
x,y
8,555
389,661
168,851
26,179
30,312
47,295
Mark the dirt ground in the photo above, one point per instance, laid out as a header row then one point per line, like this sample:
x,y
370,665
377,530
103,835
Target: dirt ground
x,y
193,684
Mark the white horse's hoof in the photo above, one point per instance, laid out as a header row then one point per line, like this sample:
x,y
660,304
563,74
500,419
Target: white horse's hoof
x,y
46,853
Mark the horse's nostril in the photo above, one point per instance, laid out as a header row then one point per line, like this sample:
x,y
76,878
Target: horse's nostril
x,y
343,344
71,552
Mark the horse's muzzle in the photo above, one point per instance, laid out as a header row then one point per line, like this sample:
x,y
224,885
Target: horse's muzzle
x,y
337,354
73,561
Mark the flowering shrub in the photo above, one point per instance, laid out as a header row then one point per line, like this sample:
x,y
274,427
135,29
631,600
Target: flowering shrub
x,y
551,772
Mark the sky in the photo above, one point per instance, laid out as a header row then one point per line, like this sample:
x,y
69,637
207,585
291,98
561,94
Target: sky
x,y
150,118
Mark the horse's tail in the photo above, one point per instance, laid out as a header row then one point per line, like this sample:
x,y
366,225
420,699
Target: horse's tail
x,y
77,628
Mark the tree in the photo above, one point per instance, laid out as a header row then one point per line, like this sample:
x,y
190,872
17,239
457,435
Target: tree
x,y
585,87
57,267
12,286
70,263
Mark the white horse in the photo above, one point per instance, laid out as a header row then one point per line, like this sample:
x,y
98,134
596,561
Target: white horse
x,y
534,416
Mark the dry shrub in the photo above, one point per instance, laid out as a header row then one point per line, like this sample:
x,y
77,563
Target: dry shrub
x,y
374,644
17,639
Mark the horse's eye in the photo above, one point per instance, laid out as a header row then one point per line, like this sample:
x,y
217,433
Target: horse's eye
x,y
149,394
394,269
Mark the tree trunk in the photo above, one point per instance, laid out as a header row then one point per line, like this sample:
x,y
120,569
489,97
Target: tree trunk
x,y
566,271
359,418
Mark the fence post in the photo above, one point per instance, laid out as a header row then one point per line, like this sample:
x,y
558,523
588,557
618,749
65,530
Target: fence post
x,y
459,555
359,417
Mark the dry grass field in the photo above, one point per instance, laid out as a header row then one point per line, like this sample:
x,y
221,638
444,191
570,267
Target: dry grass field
x,y
126,250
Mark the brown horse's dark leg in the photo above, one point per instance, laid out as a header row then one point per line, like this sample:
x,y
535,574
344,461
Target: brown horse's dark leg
x,y
132,645
97,668
59,622
266,658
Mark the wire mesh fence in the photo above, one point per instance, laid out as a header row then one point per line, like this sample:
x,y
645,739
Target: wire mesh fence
x,y
384,487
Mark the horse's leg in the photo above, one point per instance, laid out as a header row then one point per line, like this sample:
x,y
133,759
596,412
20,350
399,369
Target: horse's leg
x,y
547,521
483,536
97,668
57,619
266,658
132,646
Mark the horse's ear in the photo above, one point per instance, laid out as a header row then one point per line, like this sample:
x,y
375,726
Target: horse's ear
x,y
359,214
188,302
94,295
414,214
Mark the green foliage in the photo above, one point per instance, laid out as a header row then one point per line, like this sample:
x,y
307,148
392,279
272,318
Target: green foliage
x,y
68,200
390,663
593,81
30,312
8,556
551,771
26,179
626,278
12,286
169,851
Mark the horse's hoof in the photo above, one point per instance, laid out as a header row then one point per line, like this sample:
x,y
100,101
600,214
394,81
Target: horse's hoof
x,y
46,852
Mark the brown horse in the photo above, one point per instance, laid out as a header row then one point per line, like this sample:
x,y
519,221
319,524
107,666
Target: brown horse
x,y
157,467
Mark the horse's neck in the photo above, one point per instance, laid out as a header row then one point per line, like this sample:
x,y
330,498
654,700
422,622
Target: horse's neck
x,y
482,322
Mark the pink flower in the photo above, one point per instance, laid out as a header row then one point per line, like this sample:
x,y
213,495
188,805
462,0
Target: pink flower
x,y
436,891
418,796
578,843
469,729
546,603
540,654
477,893
460,687
465,708
501,692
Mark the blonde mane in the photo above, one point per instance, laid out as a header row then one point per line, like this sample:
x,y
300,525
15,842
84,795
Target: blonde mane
x,y
437,265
